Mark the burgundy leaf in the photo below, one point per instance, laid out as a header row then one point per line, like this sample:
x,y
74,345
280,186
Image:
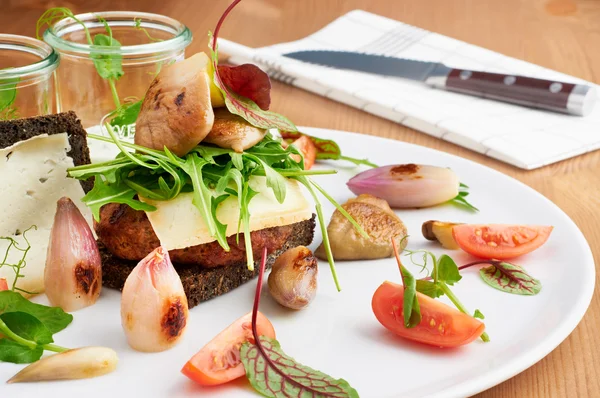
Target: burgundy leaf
x,y
510,278
249,81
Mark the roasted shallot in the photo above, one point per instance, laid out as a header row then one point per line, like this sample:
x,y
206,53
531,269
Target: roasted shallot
x,y
73,273
154,308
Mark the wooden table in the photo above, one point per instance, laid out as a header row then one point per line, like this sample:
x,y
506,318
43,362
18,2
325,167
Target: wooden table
x,y
558,34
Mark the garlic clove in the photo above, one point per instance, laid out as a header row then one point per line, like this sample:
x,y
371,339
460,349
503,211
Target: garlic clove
x,y
73,273
80,363
154,308
407,185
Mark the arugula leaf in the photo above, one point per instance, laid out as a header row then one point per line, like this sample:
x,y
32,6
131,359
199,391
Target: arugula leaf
x,y
410,305
53,318
273,373
27,326
11,351
275,181
461,200
510,278
103,193
109,66
447,270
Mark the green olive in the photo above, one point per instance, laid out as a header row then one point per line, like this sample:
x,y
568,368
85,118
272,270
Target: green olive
x,y
293,280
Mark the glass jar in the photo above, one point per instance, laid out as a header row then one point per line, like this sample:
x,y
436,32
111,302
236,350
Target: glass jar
x,y
147,42
27,77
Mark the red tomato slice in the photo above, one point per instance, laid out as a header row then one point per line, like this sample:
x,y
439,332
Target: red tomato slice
x,y
308,149
219,361
499,241
440,325
3,284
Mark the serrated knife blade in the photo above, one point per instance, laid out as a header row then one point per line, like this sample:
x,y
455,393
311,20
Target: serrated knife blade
x,y
575,99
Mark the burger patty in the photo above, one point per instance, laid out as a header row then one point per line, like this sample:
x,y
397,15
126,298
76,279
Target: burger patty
x,y
128,234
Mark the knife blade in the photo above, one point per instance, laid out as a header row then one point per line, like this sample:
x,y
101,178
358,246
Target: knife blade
x,y
569,98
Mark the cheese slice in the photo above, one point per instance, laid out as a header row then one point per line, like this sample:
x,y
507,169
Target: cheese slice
x,y
34,176
178,223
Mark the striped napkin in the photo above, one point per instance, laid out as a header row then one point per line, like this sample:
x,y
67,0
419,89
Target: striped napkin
x,y
526,138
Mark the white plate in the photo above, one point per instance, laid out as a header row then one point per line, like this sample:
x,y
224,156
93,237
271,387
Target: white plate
x,y
338,333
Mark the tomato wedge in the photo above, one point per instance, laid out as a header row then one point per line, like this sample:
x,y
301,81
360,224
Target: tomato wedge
x,y
440,325
219,361
500,241
308,149
3,284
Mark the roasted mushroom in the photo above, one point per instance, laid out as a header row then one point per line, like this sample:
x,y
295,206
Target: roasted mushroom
x,y
293,280
177,111
378,220
232,131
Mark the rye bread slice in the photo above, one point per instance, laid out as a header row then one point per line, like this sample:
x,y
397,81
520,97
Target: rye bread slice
x,y
13,131
201,284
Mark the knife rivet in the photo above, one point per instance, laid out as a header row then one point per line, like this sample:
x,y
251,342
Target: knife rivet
x,y
465,74
509,80
555,87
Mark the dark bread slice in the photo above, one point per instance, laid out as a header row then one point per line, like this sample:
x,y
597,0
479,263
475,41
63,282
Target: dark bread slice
x,y
13,131
201,284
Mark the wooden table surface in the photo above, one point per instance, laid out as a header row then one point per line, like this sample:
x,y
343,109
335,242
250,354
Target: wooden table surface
x,y
560,34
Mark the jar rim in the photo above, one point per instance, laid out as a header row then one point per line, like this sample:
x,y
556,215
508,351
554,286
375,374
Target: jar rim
x,y
48,62
182,38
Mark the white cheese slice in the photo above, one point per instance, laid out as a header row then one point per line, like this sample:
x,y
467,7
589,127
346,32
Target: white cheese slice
x,y
34,176
178,223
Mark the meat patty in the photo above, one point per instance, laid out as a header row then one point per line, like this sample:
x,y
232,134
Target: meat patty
x,y
128,234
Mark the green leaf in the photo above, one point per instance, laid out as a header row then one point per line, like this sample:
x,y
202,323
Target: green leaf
x,y
11,351
53,318
109,66
237,160
429,288
447,270
104,193
8,92
478,314
461,200
275,181
27,326
412,317
127,114
288,378
510,278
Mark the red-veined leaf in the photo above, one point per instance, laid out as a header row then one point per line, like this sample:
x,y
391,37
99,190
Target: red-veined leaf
x,y
510,278
242,106
248,81
275,374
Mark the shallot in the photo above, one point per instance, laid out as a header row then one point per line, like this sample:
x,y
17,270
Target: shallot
x,y
407,185
73,273
293,280
154,307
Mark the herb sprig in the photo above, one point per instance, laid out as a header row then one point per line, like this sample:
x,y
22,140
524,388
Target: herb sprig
x,y
22,262
206,171
461,198
275,374
8,96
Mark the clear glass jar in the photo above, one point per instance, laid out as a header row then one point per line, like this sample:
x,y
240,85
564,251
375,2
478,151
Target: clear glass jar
x,y
27,77
148,41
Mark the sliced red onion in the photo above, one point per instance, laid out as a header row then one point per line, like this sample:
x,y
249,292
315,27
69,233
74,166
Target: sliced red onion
x,y
407,185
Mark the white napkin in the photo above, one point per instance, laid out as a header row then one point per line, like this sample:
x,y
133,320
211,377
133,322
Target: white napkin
x,y
526,138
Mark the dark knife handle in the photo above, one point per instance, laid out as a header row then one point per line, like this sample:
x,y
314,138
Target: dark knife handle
x,y
575,99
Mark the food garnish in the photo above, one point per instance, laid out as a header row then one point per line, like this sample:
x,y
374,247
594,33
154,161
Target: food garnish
x,y
508,277
461,198
376,218
293,278
324,149
410,185
19,265
154,307
308,149
79,363
441,232
8,95
500,241
27,328
73,272
219,361
275,374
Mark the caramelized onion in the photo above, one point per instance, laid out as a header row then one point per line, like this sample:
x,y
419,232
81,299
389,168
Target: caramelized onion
x,y
407,185
154,308
73,273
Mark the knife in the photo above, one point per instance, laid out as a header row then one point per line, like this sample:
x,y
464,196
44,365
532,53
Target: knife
x,y
574,99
